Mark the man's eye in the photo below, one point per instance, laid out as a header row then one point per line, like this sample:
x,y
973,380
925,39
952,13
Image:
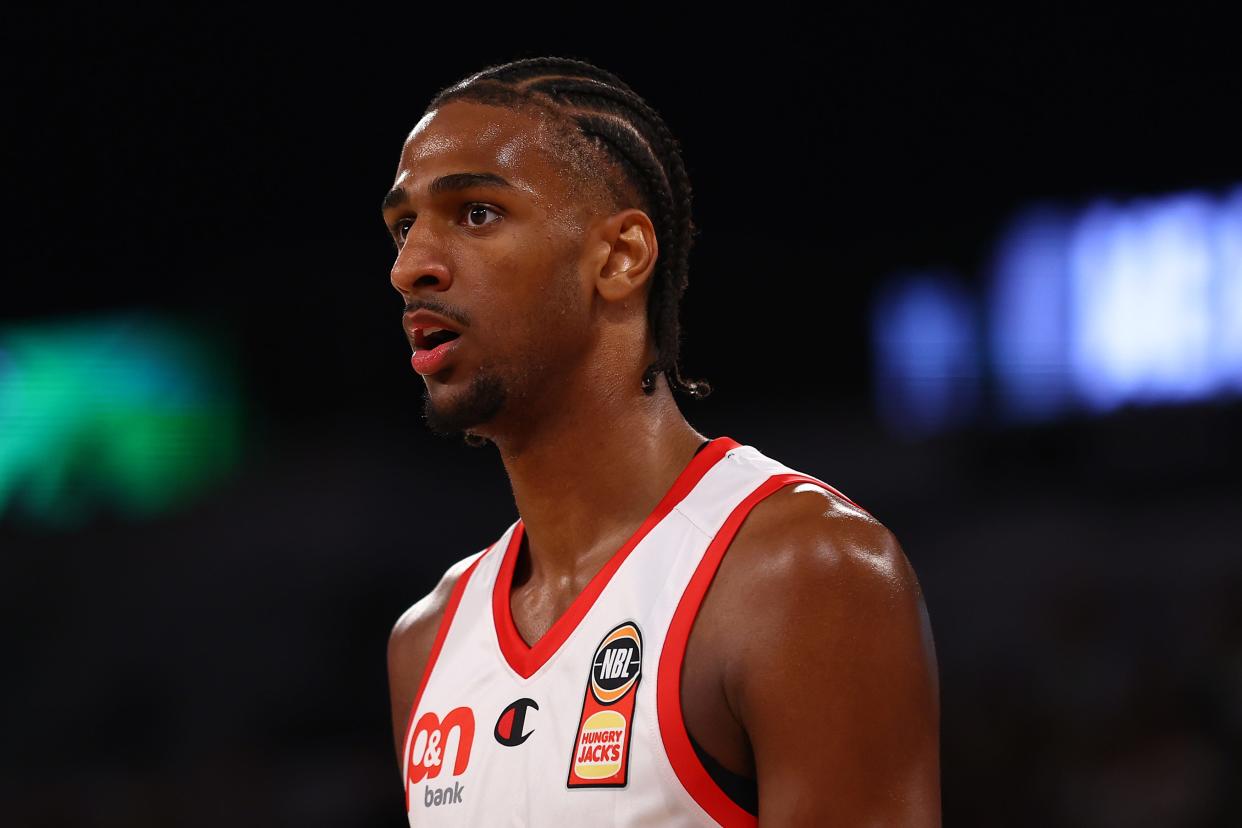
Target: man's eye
x,y
475,215
479,212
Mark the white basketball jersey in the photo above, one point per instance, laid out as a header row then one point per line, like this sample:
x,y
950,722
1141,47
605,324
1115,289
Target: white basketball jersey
x,y
585,727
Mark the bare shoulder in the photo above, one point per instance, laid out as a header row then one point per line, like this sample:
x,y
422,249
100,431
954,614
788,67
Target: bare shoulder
x,y
812,576
411,641
836,626
805,537
830,578
423,617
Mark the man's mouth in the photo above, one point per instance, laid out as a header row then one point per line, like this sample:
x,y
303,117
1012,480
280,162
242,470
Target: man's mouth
x,y
432,338
432,348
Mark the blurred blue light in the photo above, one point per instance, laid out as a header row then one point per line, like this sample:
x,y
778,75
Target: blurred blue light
x,y
1122,304
1028,315
1140,282
1119,304
1227,343
926,352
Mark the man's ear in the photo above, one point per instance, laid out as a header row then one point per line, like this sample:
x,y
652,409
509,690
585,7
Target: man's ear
x,y
628,240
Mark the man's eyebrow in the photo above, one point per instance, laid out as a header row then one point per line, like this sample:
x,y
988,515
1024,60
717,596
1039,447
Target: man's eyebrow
x,y
447,184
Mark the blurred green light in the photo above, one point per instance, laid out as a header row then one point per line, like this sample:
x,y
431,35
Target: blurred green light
x,y
138,412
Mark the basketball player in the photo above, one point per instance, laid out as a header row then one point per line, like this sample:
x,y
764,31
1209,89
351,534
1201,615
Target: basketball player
x,y
678,630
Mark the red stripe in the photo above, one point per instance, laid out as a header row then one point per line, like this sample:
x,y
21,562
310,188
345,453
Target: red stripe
x,y
835,491
694,777
524,659
445,621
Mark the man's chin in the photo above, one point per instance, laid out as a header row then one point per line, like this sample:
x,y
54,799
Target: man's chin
x,y
476,406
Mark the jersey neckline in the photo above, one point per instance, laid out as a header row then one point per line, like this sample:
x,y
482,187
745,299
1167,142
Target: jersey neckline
x,y
526,660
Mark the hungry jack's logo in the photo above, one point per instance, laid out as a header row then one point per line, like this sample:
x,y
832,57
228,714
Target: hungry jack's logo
x,y
602,745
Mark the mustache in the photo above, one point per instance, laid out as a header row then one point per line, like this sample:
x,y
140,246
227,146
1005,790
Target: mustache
x,y
436,307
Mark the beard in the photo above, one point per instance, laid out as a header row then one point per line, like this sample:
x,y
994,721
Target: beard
x,y
483,399
516,384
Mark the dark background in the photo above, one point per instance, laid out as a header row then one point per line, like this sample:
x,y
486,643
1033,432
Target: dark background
x,y
224,663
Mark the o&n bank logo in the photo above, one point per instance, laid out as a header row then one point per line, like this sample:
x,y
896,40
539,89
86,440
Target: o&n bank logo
x,y
429,753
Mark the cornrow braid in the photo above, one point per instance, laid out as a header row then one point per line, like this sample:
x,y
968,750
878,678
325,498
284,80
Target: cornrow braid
x,y
601,113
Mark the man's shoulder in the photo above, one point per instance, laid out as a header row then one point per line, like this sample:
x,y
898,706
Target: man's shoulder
x,y
414,634
804,536
411,641
833,613
425,614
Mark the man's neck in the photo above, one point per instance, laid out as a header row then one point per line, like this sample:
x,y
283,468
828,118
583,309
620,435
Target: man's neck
x,y
583,487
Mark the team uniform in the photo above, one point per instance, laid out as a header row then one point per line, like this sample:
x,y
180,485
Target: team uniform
x,y
585,727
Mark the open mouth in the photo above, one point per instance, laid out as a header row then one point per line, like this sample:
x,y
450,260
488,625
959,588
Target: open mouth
x,y
431,338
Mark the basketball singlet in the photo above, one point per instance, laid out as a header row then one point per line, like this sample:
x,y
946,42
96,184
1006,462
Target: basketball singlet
x,y
585,727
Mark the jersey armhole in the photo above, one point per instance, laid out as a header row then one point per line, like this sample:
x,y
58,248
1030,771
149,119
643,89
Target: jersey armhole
x,y
446,621
686,763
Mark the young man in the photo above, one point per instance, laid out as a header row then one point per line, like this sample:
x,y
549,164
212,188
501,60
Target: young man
x,y
604,661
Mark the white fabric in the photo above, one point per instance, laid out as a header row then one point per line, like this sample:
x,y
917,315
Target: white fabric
x,y
526,784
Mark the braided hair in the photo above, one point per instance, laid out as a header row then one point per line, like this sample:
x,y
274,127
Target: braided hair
x,y
592,110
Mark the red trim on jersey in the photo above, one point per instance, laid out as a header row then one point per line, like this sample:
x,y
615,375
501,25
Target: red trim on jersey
x,y
446,620
526,660
694,777
809,479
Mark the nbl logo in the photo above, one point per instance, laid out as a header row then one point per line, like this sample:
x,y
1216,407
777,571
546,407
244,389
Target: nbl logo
x,y
617,663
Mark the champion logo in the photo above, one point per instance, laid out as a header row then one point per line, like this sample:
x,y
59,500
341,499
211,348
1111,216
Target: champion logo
x,y
510,727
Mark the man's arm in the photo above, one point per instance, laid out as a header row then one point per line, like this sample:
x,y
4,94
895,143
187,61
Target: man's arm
x,y
835,682
409,647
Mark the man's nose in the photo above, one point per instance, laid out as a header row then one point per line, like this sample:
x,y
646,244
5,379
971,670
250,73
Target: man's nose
x,y
420,264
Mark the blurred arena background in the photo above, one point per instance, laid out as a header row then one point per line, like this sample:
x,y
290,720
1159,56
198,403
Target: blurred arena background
x,y
985,276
